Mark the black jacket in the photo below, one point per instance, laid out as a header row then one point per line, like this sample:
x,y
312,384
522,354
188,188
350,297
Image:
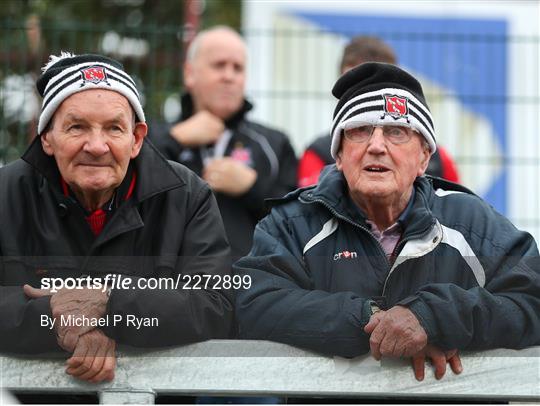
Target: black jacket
x,y
171,225
471,278
267,151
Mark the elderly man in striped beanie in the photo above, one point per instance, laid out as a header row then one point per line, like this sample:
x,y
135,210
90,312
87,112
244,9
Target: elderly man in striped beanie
x,y
378,257
100,232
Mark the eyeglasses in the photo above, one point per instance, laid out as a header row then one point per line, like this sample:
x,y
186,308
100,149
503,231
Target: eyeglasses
x,y
396,134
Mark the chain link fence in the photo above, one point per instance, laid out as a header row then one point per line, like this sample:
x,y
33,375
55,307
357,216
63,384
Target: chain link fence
x,y
151,54
290,82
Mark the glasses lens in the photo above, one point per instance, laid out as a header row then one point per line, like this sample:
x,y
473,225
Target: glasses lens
x,y
359,134
396,134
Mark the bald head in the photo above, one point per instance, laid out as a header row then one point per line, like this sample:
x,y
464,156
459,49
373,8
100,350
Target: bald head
x,y
214,72
211,35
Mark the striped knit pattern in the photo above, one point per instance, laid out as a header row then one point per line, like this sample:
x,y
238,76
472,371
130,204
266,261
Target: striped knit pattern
x,y
72,79
369,108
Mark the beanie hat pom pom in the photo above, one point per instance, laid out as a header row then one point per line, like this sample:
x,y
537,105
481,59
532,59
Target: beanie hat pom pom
x,y
53,59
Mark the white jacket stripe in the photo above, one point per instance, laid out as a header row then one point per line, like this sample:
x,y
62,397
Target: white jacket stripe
x,y
328,229
417,248
455,239
445,235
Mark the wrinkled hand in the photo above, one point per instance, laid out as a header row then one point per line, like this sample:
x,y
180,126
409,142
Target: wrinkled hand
x,y
94,358
438,358
395,333
202,128
91,303
229,176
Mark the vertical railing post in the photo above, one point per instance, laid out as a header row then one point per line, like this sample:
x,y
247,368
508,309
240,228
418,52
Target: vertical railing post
x,y
127,396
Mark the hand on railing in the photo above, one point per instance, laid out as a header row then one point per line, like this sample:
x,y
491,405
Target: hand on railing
x,y
397,333
68,308
438,359
94,358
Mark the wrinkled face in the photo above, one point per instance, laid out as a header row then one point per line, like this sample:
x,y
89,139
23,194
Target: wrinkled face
x,y
378,169
216,75
93,138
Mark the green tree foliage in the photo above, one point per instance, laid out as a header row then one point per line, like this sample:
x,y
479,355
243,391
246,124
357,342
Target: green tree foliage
x,y
145,35
123,12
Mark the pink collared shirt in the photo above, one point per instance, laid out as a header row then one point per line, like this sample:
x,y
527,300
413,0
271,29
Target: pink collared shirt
x,y
388,238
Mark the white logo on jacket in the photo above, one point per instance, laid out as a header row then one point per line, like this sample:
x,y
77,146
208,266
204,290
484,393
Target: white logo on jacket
x,y
345,255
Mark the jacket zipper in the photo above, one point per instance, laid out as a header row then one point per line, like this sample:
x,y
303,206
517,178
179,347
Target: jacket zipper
x,y
400,245
379,245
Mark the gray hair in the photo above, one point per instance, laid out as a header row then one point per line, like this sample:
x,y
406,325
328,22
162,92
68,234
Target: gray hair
x,y
196,43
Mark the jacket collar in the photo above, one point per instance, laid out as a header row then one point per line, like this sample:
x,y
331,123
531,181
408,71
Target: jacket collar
x,y
232,122
154,173
43,163
332,191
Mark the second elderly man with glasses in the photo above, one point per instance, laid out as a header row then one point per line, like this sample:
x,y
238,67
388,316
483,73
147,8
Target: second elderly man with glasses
x,y
379,258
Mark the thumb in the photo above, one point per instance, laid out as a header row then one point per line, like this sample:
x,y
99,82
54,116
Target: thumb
x,y
69,341
373,322
34,293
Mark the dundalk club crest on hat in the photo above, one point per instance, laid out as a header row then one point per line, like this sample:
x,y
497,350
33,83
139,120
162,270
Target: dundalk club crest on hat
x,y
377,94
395,106
94,74
67,74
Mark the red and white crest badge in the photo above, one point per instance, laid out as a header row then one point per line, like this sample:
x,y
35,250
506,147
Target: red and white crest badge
x,y
94,74
396,106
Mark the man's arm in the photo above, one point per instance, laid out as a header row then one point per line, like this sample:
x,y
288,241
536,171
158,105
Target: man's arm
x,y
253,185
202,128
20,323
184,314
20,320
89,303
503,313
281,306
500,312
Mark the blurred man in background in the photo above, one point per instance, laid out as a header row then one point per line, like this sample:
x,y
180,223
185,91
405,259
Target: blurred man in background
x,y
317,155
243,162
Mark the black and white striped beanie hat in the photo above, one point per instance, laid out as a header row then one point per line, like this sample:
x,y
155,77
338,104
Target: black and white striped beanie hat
x,y
67,74
380,93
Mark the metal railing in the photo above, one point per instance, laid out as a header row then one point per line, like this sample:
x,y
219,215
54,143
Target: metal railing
x,y
261,368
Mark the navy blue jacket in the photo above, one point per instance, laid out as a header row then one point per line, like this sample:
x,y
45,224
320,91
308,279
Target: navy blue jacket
x,y
470,277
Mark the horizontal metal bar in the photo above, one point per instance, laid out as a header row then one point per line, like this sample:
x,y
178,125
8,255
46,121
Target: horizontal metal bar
x,y
250,368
